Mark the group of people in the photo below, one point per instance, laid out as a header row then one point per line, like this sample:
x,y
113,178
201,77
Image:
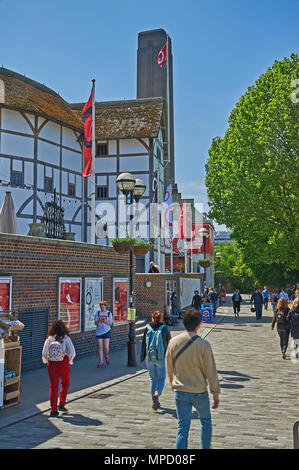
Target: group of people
x,y
188,361
261,297
286,318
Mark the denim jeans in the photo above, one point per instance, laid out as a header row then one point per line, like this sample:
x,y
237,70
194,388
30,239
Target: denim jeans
x,y
214,307
157,374
184,402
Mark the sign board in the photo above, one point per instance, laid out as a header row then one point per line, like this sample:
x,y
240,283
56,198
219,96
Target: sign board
x,y
69,303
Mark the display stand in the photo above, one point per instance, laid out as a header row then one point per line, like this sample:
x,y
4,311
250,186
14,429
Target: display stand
x,y
11,352
10,360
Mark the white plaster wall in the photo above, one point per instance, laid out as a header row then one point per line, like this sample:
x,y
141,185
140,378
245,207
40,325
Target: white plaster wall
x,y
112,147
56,182
130,164
78,186
71,160
5,169
40,176
17,165
131,146
64,188
17,145
48,153
69,139
51,131
105,165
28,210
23,225
28,173
112,186
14,121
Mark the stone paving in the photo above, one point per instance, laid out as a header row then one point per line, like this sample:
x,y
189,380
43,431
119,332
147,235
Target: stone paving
x,y
258,401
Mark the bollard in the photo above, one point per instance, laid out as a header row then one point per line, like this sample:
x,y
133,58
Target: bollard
x,y
296,435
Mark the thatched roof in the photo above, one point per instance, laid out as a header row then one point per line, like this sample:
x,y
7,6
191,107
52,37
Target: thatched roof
x,y
23,94
126,119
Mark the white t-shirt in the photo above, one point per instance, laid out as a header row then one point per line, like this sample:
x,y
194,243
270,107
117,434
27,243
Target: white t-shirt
x,y
67,346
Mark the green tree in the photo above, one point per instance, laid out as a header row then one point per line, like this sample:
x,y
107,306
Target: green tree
x,y
252,172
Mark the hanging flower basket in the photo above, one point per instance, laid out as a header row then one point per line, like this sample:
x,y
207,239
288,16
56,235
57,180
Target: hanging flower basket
x,y
123,245
204,263
141,248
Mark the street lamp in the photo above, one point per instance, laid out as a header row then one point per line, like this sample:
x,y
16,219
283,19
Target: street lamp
x,y
204,234
134,188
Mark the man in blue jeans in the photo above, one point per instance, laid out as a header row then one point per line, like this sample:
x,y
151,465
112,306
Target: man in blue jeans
x,y
190,365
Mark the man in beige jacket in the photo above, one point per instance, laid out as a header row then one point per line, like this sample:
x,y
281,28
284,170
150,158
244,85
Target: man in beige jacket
x,y
190,365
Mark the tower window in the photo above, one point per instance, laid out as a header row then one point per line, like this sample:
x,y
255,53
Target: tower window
x,y
16,178
48,183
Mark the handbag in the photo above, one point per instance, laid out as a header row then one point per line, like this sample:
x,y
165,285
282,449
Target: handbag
x,y
252,309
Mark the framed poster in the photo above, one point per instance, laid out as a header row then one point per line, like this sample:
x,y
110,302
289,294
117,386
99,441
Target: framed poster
x,y
120,300
93,294
5,294
70,303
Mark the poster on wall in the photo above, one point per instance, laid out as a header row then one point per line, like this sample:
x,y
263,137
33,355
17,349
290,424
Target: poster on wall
x,y
5,294
93,296
69,303
120,300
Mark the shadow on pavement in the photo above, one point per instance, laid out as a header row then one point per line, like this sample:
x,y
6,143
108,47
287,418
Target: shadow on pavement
x,y
236,377
79,420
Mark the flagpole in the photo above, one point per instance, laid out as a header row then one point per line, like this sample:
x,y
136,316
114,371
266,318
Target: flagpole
x,y
171,236
185,235
92,180
168,146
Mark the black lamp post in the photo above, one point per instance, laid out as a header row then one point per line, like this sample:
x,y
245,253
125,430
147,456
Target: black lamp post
x,y
134,189
218,256
204,234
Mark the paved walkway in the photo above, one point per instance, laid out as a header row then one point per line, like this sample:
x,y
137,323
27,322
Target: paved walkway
x,y
258,401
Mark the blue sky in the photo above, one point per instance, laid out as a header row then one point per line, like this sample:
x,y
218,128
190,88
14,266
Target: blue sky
x,y
220,47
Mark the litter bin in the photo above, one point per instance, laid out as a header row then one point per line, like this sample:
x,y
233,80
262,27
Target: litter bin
x,y
207,313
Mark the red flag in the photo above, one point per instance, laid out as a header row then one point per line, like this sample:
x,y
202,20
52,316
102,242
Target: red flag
x,y
162,56
182,224
185,221
87,152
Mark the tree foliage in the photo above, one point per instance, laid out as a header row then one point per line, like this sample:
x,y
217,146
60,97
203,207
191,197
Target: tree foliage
x,y
253,171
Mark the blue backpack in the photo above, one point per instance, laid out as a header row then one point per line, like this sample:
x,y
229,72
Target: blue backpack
x,y
154,344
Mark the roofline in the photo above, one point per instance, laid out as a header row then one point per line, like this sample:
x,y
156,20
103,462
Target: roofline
x,y
29,81
121,102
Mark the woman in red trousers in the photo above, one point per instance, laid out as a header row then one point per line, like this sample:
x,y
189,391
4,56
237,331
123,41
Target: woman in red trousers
x,y
58,353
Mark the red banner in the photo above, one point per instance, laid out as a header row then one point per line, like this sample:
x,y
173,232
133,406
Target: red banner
x,y
87,152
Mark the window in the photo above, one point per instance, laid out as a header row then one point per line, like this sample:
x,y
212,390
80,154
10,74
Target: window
x,y
71,189
16,178
101,192
102,149
48,184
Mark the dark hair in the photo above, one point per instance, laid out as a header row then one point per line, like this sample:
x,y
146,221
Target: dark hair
x,y
58,329
156,316
191,319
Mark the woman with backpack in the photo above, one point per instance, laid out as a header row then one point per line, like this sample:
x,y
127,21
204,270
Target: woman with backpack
x,y
58,353
280,318
293,322
103,320
154,344
236,300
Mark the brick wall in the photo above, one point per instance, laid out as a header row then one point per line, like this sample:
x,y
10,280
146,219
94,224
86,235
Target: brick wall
x,y
149,299
35,265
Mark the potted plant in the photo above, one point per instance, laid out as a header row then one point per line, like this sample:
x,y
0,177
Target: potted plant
x,y
123,245
141,248
204,263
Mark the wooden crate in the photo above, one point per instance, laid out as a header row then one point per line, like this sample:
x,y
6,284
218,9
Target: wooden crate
x,y
11,341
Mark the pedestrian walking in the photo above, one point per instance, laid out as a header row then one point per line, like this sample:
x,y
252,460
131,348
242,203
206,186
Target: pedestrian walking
x,y
190,366
153,268
154,344
257,300
265,294
222,295
103,320
275,298
58,353
236,300
284,294
213,296
280,319
293,323
196,301
174,307
206,298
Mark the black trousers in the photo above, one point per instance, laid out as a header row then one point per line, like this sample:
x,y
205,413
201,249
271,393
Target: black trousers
x,y
266,303
236,306
284,339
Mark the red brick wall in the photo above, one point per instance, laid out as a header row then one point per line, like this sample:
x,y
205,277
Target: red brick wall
x,y
149,299
35,265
